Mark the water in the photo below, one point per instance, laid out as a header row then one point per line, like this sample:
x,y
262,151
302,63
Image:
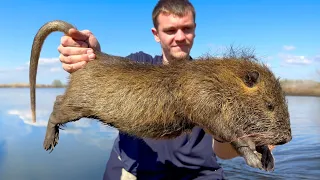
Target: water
x,y
300,158
84,146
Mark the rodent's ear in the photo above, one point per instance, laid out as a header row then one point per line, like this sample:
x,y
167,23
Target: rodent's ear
x,y
251,78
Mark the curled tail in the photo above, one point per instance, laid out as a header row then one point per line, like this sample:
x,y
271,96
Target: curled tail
x,y
38,41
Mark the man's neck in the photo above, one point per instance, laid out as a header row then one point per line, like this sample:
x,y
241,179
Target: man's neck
x,y
166,60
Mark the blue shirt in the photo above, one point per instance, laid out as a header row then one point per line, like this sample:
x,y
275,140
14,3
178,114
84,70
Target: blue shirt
x,y
189,156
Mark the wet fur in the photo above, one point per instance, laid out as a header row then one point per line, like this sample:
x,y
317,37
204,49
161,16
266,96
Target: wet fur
x,y
235,99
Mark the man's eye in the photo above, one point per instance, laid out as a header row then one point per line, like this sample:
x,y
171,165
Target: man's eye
x,y
186,29
170,31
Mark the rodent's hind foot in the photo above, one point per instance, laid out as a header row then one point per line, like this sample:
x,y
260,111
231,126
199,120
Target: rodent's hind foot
x,y
52,138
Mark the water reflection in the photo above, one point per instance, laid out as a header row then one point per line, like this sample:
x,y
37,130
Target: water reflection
x,y
3,153
83,148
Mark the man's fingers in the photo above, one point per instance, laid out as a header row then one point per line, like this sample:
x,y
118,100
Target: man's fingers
x,y
74,59
86,37
74,67
76,38
74,51
69,51
79,35
67,41
271,147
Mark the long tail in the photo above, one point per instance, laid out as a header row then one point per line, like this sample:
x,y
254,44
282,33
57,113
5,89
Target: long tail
x,y
38,41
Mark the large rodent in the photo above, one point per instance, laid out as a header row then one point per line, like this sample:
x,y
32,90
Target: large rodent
x,y
236,100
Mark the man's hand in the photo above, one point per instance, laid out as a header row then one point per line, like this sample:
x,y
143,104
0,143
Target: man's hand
x,y
271,147
76,49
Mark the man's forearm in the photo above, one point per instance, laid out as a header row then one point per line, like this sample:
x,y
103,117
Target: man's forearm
x,y
224,150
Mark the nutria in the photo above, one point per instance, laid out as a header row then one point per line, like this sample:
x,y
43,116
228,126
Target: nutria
x,y
237,100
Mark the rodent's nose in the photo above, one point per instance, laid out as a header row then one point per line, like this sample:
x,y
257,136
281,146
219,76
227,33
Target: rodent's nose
x,y
284,141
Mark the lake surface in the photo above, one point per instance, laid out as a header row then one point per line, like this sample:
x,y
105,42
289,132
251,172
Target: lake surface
x,y
84,146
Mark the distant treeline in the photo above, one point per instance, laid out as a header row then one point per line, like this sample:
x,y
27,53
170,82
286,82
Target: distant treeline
x,y
23,85
55,84
301,87
291,87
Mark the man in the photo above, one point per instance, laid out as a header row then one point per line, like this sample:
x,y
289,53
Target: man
x,y
191,156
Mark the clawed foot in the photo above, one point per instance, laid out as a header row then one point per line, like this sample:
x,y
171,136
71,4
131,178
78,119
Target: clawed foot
x,y
51,139
262,158
255,156
253,159
267,158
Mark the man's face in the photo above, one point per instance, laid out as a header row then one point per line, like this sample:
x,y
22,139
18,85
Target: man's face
x,y
175,34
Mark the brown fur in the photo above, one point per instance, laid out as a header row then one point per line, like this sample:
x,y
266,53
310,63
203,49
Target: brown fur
x,y
235,99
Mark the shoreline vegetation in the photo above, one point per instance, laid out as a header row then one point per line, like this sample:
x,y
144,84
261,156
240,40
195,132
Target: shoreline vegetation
x,y
290,87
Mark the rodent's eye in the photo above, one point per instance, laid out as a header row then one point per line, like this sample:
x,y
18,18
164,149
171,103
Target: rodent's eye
x,y
270,106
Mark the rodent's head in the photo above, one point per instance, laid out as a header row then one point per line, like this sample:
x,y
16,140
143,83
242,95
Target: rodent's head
x,y
256,103
236,97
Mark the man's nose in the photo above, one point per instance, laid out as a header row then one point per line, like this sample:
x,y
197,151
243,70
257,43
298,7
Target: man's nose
x,y
180,35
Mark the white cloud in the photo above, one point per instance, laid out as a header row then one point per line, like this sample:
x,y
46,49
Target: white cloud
x,y
21,68
47,62
268,65
105,128
82,123
44,61
25,116
288,47
316,58
70,131
292,59
85,130
55,69
49,69
3,70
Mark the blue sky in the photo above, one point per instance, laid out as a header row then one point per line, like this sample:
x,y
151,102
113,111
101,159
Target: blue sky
x,y
284,34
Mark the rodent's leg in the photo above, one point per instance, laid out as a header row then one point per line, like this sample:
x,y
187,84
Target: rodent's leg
x,y
59,116
246,149
52,133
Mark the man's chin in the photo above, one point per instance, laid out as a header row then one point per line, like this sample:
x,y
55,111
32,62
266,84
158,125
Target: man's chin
x,y
180,56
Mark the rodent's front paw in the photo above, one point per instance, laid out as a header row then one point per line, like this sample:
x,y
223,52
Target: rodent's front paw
x,y
267,158
253,159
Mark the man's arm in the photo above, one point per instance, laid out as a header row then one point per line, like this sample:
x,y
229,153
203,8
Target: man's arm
x,y
226,150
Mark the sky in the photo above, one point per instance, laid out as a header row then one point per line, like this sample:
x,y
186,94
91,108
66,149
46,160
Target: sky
x,y
284,34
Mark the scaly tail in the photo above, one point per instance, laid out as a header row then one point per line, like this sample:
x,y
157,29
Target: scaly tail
x,y
38,41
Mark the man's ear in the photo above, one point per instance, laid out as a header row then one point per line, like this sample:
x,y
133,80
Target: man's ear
x,y
155,34
195,25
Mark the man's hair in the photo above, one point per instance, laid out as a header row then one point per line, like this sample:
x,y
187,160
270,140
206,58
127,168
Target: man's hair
x,y
175,7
